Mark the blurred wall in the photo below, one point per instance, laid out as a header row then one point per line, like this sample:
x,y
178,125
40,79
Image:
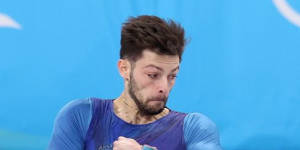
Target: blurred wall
x,y
241,68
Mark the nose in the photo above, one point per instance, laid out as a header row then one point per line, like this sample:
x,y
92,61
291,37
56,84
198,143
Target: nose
x,y
163,86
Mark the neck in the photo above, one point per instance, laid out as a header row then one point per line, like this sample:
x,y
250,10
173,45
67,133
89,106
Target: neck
x,y
127,110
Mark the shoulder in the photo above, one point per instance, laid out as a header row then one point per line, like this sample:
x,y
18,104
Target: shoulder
x,y
76,107
200,132
71,125
198,120
77,111
81,109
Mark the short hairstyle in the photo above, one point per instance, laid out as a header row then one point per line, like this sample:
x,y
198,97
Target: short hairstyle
x,y
164,37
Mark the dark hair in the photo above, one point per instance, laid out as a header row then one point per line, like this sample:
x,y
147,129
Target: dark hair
x,y
153,33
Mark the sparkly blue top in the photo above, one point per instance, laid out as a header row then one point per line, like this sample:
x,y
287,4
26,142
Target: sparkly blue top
x,y
91,124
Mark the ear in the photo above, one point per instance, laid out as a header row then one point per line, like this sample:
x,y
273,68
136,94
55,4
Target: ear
x,y
124,68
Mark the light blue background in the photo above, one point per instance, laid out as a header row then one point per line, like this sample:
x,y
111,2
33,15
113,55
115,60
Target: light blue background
x,y
241,68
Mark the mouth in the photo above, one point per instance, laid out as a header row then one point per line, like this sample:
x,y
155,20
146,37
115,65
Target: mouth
x,y
158,99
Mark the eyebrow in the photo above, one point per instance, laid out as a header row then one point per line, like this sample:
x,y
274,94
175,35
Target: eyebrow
x,y
158,68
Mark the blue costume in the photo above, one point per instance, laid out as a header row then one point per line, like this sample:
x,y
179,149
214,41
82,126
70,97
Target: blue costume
x,y
91,124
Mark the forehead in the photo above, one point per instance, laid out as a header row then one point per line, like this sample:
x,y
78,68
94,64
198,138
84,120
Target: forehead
x,y
150,59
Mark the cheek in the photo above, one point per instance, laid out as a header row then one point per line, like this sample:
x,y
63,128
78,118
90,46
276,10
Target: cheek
x,y
146,87
142,82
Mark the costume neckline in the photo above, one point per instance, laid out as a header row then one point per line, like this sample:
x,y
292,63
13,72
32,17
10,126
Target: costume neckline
x,y
111,105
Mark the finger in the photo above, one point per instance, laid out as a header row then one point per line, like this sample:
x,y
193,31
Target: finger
x,y
115,143
132,140
121,138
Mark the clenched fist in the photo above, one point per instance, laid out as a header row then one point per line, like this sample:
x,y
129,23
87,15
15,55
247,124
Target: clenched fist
x,y
126,144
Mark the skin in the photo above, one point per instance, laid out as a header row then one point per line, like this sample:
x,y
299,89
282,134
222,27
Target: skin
x,y
125,144
148,82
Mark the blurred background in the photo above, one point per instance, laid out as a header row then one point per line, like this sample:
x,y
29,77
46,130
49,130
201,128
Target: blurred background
x,y
241,67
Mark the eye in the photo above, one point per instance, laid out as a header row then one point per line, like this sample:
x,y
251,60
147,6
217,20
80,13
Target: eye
x,y
152,76
172,77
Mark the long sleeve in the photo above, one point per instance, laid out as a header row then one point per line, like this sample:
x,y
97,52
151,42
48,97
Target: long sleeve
x,y
71,125
200,133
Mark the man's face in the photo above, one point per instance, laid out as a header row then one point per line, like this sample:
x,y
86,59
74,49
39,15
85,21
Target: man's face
x,y
151,79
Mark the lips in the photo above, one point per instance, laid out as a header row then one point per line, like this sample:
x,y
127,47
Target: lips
x,y
159,99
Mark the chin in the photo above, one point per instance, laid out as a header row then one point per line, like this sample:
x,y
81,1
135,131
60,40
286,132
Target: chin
x,y
156,105
154,110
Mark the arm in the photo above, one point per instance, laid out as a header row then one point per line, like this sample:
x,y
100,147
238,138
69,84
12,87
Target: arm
x,y
71,125
200,133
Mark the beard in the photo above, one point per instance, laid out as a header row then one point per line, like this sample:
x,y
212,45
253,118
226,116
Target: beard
x,y
143,106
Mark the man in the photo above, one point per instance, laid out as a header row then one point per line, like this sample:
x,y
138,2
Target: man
x,y
151,50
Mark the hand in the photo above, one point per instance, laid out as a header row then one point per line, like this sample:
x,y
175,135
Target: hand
x,y
126,144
